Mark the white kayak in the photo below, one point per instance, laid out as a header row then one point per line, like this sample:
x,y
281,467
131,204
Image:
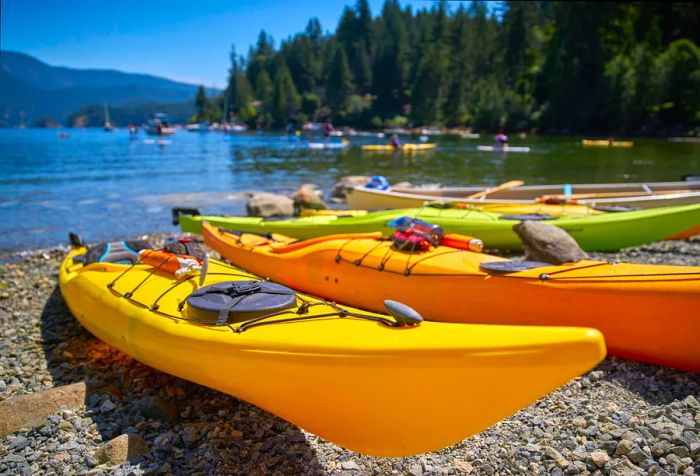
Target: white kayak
x,y
327,145
508,148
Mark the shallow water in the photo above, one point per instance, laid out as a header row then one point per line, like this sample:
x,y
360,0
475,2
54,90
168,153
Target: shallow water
x,y
105,185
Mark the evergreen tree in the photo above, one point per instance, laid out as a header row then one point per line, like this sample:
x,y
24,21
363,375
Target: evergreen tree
x,y
286,100
339,86
201,102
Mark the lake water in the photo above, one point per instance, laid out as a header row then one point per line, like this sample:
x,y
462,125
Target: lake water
x,y
105,185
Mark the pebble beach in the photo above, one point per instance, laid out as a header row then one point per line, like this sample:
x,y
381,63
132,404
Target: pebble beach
x,y
621,418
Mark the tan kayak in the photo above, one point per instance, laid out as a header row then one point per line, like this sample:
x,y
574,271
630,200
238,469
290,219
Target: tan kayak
x,y
638,195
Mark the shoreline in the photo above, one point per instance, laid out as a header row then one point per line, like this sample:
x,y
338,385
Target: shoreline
x,y
620,418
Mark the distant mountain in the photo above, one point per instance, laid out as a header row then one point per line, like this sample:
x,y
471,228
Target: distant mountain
x,y
31,89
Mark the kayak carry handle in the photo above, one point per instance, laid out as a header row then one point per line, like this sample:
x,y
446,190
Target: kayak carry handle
x,y
177,211
75,240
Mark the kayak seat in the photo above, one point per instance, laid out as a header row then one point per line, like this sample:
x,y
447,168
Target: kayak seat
x,y
297,245
120,252
506,267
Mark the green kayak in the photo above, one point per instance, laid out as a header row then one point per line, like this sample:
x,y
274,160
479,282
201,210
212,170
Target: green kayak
x,y
605,232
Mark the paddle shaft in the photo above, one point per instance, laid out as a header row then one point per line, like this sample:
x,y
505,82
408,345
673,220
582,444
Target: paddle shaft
x,y
503,186
576,196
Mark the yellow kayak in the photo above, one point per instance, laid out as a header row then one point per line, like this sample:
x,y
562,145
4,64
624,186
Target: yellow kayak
x,y
504,208
380,385
606,143
404,147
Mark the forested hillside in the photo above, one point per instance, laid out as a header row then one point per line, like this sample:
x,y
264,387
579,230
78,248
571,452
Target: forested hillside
x,y
553,67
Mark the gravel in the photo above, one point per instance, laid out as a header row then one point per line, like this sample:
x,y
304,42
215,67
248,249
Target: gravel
x,y
623,418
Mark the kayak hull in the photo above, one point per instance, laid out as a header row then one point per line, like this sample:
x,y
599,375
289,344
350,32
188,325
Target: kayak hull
x,y
646,312
349,380
403,148
401,197
605,232
505,149
606,143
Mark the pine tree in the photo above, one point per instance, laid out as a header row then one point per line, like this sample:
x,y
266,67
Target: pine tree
x,y
339,86
285,100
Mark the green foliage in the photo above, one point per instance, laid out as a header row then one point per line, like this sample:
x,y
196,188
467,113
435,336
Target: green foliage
x,y
285,100
554,67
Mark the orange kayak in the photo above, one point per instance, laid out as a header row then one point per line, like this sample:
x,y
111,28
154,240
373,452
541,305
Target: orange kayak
x,y
646,312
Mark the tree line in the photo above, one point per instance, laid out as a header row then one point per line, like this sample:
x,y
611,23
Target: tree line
x,y
552,67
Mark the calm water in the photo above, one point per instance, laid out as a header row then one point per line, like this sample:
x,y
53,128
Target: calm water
x,y
104,185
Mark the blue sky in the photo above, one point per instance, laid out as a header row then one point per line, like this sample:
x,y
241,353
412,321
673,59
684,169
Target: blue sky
x,y
186,40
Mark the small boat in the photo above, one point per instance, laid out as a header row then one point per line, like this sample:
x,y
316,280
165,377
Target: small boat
x,y
606,143
201,127
159,125
108,124
655,307
469,135
603,232
403,148
384,385
328,145
505,148
635,195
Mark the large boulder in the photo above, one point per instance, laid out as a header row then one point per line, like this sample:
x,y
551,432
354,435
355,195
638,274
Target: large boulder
x,y
340,189
270,205
548,243
308,196
30,411
121,449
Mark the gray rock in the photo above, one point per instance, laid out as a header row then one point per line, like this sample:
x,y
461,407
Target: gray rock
x,y
660,448
599,458
691,402
308,196
121,449
340,189
415,470
636,455
270,205
156,408
553,454
681,451
107,406
349,466
3,386
548,243
624,447
19,443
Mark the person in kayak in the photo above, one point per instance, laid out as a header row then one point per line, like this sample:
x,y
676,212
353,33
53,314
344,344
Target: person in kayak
x,y
395,142
501,141
327,129
291,128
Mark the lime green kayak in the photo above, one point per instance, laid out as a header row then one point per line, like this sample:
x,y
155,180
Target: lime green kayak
x,y
609,231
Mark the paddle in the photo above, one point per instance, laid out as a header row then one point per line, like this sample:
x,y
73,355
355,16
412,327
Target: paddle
x,y
503,186
576,196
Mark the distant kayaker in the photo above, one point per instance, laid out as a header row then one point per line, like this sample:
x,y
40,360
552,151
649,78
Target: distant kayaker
x,y
327,129
395,142
291,128
501,140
